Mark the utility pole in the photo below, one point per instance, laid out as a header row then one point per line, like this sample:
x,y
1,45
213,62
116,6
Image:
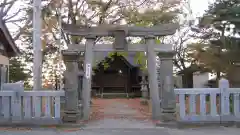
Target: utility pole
x,y
37,45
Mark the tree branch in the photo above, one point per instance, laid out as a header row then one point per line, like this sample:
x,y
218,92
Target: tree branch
x,y
5,3
14,15
21,30
8,8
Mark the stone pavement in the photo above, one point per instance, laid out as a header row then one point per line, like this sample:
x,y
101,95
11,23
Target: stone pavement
x,y
125,131
117,117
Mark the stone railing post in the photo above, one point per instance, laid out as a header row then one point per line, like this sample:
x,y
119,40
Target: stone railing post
x,y
223,84
71,111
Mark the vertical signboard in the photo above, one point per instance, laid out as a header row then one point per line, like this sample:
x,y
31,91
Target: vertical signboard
x,y
88,71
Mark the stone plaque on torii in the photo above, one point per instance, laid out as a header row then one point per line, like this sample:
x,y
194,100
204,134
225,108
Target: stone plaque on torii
x,y
120,32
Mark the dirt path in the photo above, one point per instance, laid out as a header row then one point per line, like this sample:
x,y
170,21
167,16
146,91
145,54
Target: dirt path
x,y
119,108
119,113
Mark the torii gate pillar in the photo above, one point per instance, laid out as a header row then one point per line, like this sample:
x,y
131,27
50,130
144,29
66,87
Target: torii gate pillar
x,y
152,77
87,79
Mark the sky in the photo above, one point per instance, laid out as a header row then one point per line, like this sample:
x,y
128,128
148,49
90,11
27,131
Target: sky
x,y
199,6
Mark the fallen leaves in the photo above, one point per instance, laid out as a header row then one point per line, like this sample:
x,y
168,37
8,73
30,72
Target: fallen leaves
x,y
108,108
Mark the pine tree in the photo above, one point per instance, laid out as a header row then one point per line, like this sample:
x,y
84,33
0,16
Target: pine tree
x,y
17,71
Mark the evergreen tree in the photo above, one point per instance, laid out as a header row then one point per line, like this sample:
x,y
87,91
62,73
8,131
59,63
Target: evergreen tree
x,y
17,71
219,30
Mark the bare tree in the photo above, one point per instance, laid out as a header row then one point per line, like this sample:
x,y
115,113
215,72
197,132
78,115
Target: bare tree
x,y
16,16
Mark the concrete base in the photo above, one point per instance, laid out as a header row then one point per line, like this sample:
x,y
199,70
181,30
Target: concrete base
x,y
44,125
205,124
168,115
33,122
71,116
237,124
182,125
167,124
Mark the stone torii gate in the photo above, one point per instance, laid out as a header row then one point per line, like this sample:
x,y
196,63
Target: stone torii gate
x,y
160,110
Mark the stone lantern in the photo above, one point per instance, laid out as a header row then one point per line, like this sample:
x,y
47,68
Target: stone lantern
x,y
144,90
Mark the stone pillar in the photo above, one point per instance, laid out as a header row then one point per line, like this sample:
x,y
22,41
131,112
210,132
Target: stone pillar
x,y
3,73
80,90
87,80
167,95
152,77
80,85
71,111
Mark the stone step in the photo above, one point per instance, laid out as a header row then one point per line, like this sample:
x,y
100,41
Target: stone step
x,y
113,95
